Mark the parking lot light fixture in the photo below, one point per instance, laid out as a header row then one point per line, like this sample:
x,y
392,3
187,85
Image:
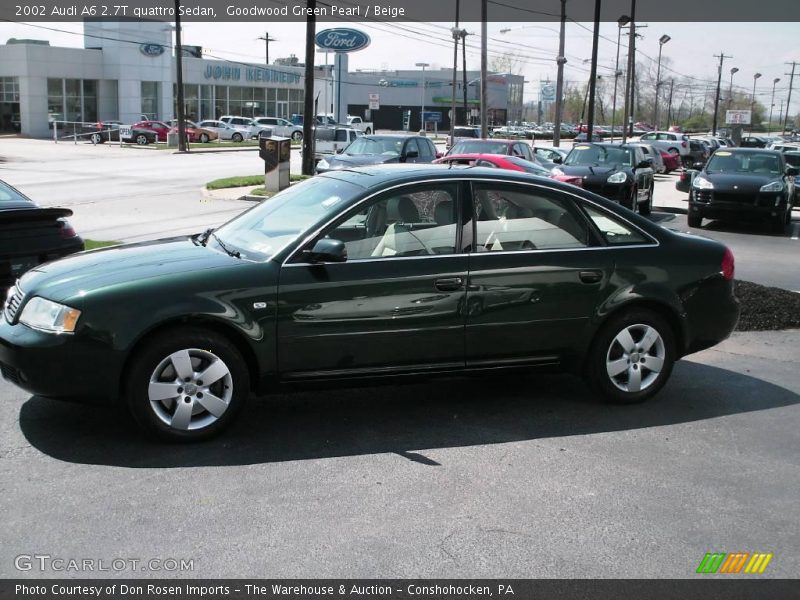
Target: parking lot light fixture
x,y
734,70
772,104
661,41
621,22
753,102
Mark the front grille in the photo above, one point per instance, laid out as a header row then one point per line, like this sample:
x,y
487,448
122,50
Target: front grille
x,y
733,198
13,302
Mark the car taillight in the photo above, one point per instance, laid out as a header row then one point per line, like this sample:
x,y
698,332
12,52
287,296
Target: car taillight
x,y
727,266
67,231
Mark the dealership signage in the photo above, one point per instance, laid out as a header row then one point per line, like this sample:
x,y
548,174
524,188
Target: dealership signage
x,y
737,117
250,74
342,39
151,49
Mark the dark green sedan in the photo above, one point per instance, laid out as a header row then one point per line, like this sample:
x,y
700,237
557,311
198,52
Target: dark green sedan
x,y
365,274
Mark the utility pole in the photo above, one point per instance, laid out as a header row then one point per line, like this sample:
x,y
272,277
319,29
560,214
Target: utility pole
x,y
484,67
267,40
789,99
772,104
467,117
308,98
179,80
593,71
721,56
560,61
669,106
621,22
628,110
454,30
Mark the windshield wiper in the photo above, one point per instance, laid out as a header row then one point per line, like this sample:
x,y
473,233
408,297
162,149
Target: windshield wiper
x,y
201,239
232,253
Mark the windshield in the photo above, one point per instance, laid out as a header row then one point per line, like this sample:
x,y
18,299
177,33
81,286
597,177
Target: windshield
x,y
260,232
9,193
479,147
600,156
375,145
728,162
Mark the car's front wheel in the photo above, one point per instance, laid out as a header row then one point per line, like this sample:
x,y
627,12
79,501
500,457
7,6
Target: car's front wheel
x,y
297,136
237,137
96,138
695,219
631,357
647,207
204,139
632,201
141,139
186,384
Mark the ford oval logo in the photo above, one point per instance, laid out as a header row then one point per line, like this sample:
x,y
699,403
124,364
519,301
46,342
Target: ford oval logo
x,y
151,49
342,39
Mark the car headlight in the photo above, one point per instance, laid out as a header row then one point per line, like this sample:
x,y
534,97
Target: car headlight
x,y
323,164
618,177
557,171
701,183
775,186
47,315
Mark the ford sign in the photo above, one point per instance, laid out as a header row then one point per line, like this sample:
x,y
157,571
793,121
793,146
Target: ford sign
x,y
342,39
151,49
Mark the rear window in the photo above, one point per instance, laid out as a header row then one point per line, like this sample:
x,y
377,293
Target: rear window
x,y
614,231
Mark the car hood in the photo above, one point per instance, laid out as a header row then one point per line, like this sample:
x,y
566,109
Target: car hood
x,y
738,182
86,273
342,161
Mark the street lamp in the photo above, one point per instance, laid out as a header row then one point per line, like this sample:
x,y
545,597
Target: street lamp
x,y
621,22
661,41
734,70
753,103
422,98
772,104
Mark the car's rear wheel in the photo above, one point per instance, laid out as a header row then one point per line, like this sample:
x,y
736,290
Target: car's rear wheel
x,y
695,220
367,131
297,136
186,384
141,139
96,138
204,139
237,137
631,357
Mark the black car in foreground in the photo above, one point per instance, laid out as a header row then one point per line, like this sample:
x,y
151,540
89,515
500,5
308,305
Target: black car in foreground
x,y
380,150
620,172
368,274
30,235
744,184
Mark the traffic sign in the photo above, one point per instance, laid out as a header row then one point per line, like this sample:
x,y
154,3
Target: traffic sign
x,y
374,101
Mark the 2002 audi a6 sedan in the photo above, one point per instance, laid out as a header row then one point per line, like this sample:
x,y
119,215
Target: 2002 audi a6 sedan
x,y
367,273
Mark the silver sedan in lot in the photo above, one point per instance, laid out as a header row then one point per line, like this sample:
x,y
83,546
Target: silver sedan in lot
x,y
224,131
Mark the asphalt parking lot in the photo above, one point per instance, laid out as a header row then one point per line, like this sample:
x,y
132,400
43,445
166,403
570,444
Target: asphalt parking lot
x,y
486,477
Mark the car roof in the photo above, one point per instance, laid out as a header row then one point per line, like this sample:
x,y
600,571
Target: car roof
x,y
750,151
379,175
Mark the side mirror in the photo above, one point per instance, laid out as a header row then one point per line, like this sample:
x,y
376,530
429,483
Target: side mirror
x,y
558,160
412,154
792,171
645,164
326,250
698,166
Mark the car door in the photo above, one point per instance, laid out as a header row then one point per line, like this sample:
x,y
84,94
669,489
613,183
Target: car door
x,y
395,305
411,151
535,275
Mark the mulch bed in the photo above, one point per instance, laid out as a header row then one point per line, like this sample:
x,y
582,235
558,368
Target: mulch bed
x,y
767,308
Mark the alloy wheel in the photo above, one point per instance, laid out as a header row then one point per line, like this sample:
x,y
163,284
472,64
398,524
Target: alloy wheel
x,y
635,358
190,389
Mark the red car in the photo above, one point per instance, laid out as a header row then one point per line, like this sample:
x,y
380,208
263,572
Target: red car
x,y
502,161
158,127
672,162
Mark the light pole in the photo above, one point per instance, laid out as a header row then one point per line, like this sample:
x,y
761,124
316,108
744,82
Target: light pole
x,y
661,41
621,22
422,96
560,61
772,104
734,70
753,102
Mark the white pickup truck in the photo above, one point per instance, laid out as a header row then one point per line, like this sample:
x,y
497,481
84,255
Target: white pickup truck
x,y
330,140
363,126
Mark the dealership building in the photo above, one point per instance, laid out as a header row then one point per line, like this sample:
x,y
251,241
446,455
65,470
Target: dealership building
x,y
126,71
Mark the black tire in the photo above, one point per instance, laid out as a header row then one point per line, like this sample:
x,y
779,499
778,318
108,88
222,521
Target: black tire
x,y
646,208
141,139
694,219
367,131
237,137
779,224
297,136
631,202
204,139
606,351
152,364
96,138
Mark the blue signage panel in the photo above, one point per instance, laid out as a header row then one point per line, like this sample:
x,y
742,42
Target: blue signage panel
x,y
342,39
151,49
432,116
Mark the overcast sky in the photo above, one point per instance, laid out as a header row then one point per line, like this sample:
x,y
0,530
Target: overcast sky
x,y
755,47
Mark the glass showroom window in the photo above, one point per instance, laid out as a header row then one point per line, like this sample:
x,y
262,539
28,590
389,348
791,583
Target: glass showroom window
x,y
220,101
149,92
271,95
9,89
295,102
206,103
55,100
89,100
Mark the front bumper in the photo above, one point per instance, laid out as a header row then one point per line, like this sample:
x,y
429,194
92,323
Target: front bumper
x,y
726,205
65,366
618,192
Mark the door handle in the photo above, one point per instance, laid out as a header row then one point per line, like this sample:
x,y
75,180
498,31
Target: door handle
x,y
590,276
451,284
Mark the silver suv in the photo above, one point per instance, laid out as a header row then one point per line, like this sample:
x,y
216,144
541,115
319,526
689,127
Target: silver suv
x,y
674,143
246,125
